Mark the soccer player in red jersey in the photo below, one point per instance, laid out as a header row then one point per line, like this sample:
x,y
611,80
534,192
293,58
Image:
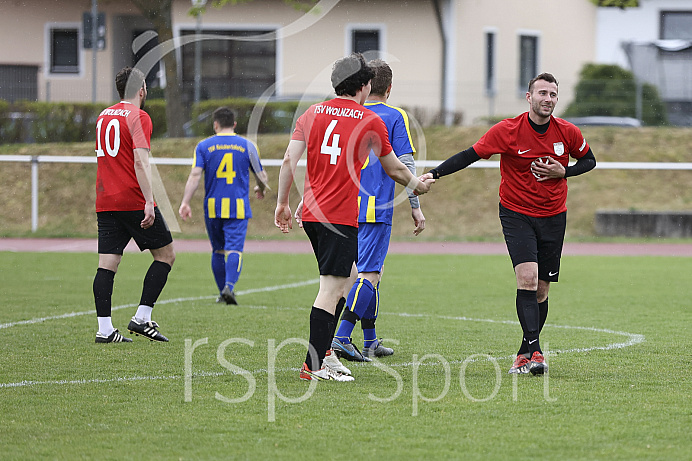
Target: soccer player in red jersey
x,y
534,153
339,135
125,207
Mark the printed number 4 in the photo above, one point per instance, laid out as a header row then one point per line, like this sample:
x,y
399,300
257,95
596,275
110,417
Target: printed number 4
x,y
225,169
334,150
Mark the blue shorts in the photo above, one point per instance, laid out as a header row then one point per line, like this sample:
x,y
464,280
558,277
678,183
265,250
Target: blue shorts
x,y
226,234
373,244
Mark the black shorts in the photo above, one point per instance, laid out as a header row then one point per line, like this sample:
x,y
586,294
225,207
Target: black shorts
x,y
116,228
536,240
335,247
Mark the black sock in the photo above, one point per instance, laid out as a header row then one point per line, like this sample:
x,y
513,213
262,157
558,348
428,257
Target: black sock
x,y
337,313
350,316
367,324
529,318
543,312
321,328
103,291
154,281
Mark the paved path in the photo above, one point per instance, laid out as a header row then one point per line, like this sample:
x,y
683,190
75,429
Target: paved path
x,y
303,246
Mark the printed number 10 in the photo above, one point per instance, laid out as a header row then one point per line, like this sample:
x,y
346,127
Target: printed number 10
x,y
112,150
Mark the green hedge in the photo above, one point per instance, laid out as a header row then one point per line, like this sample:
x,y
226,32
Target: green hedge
x,y
75,122
61,122
157,111
275,117
610,90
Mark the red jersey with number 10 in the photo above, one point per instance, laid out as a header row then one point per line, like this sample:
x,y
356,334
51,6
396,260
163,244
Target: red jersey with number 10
x,y
340,133
519,145
119,130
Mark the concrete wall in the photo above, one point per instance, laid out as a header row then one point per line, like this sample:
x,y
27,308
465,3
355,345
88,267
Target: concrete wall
x,y
644,223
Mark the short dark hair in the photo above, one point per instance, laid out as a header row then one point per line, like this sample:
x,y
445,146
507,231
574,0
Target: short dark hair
x,y
224,116
383,77
349,74
128,82
550,78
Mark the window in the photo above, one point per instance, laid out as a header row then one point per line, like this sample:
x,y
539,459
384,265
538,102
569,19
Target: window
x,y
676,25
528,61
230,68
368,39
365,40
18,82
490,84
64,51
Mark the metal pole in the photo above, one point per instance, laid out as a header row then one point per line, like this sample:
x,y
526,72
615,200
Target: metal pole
x,y
94,47
34,193
638,100
198,59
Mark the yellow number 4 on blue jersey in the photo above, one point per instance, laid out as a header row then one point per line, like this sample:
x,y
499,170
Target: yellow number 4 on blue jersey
x,y
225,169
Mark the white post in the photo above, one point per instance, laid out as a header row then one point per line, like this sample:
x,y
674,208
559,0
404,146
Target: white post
x,y
34,193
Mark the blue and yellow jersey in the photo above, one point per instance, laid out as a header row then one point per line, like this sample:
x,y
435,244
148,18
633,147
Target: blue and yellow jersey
x,y
376,195
227,160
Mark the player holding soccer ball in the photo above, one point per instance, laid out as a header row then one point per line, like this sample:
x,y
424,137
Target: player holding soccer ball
x,y
534,153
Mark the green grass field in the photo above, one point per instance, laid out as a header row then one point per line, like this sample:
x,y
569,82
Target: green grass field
x,y
618,387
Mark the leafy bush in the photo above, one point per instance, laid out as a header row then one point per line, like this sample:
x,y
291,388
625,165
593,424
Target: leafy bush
x,y
276,116
157,111
43,122
612,91
11,129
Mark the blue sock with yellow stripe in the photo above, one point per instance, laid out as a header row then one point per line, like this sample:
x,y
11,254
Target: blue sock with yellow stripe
x,y
368,321
357,303
234,263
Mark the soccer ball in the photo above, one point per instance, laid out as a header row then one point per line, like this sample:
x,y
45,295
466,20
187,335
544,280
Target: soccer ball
x,y
543,160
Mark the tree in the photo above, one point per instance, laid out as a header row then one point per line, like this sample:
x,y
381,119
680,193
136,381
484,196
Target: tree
x,y
158,12
612,91
622,4
297,4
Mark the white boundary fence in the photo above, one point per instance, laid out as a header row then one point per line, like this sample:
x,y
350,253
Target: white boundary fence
x,y
36,160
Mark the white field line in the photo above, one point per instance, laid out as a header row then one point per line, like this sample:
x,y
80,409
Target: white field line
x,y
167,301
632,339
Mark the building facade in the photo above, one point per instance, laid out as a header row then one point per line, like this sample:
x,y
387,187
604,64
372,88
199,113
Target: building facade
x,y
454,61
654,41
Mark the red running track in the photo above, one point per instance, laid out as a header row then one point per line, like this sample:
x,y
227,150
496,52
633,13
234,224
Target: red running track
x,y
303,246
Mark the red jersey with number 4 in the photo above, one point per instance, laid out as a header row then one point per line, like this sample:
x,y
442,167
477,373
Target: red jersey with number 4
x,y
339,134
519,145
119,130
